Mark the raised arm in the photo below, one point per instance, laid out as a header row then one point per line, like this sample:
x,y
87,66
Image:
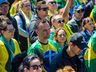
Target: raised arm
x,y
65,11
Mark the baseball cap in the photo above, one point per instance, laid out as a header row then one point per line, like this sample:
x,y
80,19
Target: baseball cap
x,y
78,7
78,39
4,1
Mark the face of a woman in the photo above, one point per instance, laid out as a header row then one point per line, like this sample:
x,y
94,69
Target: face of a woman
x,y
52,5
26,5
89,25
61,36
35,66
9,32
59,21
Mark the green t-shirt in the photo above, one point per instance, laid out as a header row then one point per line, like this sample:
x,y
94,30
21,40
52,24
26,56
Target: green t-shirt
x,y
46,52
40,49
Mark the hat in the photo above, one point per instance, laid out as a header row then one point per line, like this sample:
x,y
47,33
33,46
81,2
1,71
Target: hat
x,y
78,7
4,1
78,39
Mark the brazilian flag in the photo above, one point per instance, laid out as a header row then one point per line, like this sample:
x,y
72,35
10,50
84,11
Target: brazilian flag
x,y
93,14
90,55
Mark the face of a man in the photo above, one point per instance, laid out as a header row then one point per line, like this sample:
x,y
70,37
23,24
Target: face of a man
x,y
76,50
43,11
79,14
26,5
43,31
4,9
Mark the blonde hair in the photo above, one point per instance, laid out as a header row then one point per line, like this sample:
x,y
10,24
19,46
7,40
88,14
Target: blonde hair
x,y
66,69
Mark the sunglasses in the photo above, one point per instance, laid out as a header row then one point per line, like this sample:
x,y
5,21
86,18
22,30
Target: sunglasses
x,y
53,2
4,6
29,5
61,35
79,11
60,20
36,67
44,8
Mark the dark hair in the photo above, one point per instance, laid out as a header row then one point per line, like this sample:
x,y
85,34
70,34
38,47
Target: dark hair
x,y
4,22
21,69
39,3
28,59
50,21
38,22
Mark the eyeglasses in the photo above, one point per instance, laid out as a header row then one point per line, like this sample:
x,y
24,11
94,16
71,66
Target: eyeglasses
x,y
79,11
44,8
60,20
4,6
28,5
36,67
11,30
61,35
53,2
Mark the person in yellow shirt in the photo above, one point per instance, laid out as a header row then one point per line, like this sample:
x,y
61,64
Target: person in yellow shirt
x,y
52,7
59,22
9,47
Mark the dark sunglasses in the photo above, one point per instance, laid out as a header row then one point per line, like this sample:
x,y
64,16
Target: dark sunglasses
x,y
60,20
79,11
4,6
53,2
61,35
36,67
44,9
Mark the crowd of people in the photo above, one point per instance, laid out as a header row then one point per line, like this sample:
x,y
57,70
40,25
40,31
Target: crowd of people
x,y
47,35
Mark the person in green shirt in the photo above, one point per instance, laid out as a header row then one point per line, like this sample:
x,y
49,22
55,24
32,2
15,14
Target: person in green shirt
x,y
59,22
44,48
60,38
